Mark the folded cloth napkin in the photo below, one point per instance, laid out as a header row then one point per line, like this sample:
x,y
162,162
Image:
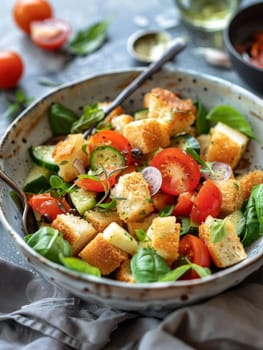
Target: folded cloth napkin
x,y
35,314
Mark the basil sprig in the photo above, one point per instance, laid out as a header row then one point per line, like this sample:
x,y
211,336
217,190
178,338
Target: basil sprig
x,y
49,243
92,114
61,119
231,117
88,40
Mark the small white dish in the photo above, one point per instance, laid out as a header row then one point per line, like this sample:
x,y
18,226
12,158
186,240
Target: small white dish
x,y
148,45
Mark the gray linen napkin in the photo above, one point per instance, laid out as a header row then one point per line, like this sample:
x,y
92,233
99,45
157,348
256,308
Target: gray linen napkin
x,y
35,314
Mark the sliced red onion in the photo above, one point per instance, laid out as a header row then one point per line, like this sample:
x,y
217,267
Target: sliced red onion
x,y
78,165
220,171
154,178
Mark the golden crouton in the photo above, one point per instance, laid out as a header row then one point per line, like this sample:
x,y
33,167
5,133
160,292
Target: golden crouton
x,y
133,197
165,235
227,251
100,220
119,122
248,181
67,153
141,225
178,113
123,273
232,198
77,231
227,145
147,134
102,254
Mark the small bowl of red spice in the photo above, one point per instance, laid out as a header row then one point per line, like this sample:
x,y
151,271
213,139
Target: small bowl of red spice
x,y
243,39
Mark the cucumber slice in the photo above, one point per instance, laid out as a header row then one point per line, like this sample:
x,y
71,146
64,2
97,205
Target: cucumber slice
x,y
141,114
37,180
107,157
42,155
185,141
83,200
238,220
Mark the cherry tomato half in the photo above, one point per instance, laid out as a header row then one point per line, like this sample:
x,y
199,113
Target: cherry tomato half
x,y
207,202
180,172
45,204
114,139
50,34
93,185
184,204
196,251
27,11
11,69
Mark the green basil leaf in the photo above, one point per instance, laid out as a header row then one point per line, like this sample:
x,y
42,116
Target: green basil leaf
x,y
218,230
201,271
79,265
231,117
61,119
202,124
89,39
49,243
175,274
166,211
253,216
148,266
185,225
91,116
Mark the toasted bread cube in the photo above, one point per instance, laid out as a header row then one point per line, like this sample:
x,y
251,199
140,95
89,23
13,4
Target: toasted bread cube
x,y
102,254
179,114
147,134
119,122
132,194
141,225
165,235
227,145
226,252
232,198
67,152
77,231
117,236
100,220
123,273
248,181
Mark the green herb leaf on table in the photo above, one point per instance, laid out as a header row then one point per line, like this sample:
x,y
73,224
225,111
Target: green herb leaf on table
x,y
88,40
231,117
17,104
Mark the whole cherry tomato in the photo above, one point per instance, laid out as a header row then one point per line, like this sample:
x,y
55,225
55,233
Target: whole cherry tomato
x,y
27,11
11,69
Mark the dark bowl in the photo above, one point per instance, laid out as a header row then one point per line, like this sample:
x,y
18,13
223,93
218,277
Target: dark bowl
x,y
242,26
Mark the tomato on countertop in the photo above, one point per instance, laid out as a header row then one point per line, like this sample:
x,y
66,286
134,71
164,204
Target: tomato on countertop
x,y
11,69
180,172
27,11
196,251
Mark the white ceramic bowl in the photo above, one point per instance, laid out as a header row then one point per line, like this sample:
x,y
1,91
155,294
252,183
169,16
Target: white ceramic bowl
x,y
32,128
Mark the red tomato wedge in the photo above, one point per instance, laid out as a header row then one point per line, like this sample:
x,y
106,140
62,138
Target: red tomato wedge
x,y
114,139
11,69
180,172
184,204
27,11
93,185
50,34
207,202
45,204
196,251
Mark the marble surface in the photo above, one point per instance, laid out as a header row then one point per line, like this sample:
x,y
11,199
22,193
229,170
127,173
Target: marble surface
x,y
126,18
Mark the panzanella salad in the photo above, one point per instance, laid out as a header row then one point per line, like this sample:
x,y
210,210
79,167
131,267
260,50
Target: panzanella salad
x,y
149,197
